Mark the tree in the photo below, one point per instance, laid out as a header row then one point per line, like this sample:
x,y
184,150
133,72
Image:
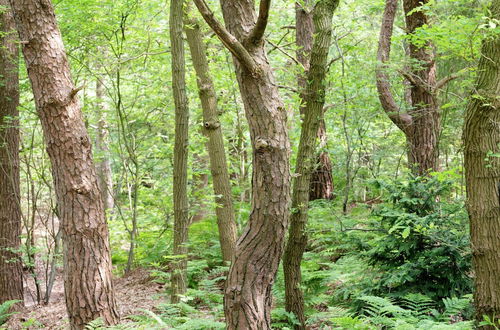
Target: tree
x,y
87,263
248,299
482,171
215,145
313,102
421,124
11,273
181,207
321,186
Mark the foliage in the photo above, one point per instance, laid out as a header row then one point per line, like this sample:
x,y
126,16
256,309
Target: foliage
x,y
424,246
5,310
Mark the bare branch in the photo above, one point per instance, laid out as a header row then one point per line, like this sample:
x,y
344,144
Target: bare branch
x,y
403,121
230,41
260,27
284,53
440,84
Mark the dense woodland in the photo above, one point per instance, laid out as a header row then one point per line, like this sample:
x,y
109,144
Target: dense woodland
x,y
319,164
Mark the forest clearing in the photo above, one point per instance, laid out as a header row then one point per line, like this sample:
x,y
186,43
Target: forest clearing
x,y
241,164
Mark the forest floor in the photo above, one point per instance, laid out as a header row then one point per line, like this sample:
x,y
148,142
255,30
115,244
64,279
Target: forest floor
x,y
135,292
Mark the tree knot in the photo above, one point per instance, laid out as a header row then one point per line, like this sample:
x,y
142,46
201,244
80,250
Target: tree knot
x,y
211,125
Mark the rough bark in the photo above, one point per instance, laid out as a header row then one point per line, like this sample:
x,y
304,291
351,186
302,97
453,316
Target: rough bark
x,y
215,145
313,103
248,298
103,163
321,186
181,207
87,262
482,171
11,279
421,124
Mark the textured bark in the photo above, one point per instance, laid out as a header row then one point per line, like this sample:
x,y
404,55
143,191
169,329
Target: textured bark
x,y
11,280
423,154
321,181
421,125
248,298
87,263
103,163
313,103
181,207
482,172
215,145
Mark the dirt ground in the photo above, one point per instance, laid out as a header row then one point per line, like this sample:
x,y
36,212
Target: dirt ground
x,y
135,292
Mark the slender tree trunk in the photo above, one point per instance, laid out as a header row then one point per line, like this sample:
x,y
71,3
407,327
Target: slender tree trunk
x,y
482,171
421,124
218,163
11,279
248,298
313,103
321,186
87,263
102,145
181,216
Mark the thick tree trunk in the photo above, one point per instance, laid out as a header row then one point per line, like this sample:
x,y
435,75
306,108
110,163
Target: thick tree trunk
x,y
181,207
87,262
321,186
11,279
421,125
248,298
103,163
218,164
313,103
423,135
482,171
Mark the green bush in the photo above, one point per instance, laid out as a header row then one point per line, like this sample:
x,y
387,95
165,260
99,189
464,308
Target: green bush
x,y
423,246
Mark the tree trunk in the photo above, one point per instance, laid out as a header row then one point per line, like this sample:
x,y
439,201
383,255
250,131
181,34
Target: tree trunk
x,y
11,279
482,170
218,164
87,263
248,298
423,135
181,211
421,124
321,186
313,103
102,145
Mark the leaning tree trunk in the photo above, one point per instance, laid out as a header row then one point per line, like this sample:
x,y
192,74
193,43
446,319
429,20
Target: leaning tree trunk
x,y
321,186
421,124
482,171
181,211
87,264
313,103
215,145
11,279
248,298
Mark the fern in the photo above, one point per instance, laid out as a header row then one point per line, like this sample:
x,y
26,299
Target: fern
x,y
4,310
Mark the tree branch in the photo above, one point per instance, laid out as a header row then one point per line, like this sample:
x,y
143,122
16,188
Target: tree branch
x,y
403,121
230,41
258,30
440,84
